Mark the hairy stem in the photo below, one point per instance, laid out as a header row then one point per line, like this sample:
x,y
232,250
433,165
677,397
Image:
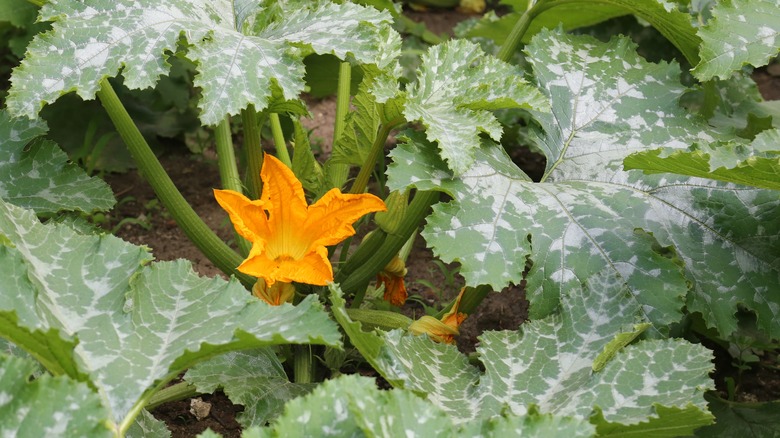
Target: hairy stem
x,y
358,271
281,145
196,230
253,150
337,172
361,182
228,170
303,364
176,392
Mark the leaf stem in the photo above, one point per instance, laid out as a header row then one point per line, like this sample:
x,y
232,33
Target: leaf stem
x,y
281,145
176,392
303,364
196,230
228,170
253,150
361,182
359,269
337,172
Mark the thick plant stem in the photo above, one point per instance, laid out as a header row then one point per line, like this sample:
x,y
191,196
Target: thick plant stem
x,y
337,172
470,301
176,392
253,150
361,182
196,230
228,170
356,273
516,35
281,145
303,365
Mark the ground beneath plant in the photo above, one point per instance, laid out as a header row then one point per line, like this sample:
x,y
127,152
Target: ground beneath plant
x,y
140,219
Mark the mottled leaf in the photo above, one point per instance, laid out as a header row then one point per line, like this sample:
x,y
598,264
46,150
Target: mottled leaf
x,y
457,87
661,235
756,164
352,405
47,406
89,42
549,364
754,420
87,306
254,379
36,173
146,426
740,32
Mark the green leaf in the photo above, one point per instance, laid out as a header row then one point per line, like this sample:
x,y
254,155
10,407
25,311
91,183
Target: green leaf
x,y
661,235
90,42
304,165
756,164
458,85
146,426
549,364
352,405
47,406
87,306
36,173
254,379
19,13
662,15
559,352
354,144
670,423
740,32
754,420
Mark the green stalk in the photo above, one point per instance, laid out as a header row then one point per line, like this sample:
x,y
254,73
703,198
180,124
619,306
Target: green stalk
x,y
303,364
176,392
228,170
253,150
281,145
196,230
516,35
338,172
357,272
361,182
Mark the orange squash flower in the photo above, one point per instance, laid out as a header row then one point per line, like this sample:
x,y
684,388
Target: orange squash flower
x,y
392,276
445,329
289,237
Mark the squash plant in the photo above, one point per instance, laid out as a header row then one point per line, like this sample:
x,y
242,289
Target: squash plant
x,y
616,259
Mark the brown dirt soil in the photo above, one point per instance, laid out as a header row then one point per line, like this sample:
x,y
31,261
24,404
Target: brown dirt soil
x,y
196,176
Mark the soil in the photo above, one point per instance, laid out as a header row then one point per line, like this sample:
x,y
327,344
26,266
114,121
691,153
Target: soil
x,y
146,222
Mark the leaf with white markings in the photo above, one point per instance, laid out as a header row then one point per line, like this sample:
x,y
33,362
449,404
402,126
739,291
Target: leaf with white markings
x,y
89,42
353,406
47,406
254,379
549,364
87,306
457,87
756,164
661,235
740,32
36,173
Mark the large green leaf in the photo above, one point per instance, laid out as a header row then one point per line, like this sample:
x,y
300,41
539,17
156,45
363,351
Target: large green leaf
x,y
589,214
548,14
36,173
47,406
756,164
550,364
740,32
19,13
254,379
353,406
458,85
93,40
87,306
754,420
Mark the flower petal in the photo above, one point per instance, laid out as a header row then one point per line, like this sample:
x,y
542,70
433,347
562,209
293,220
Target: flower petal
x,y
314,268
288,210
331,217
248,217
